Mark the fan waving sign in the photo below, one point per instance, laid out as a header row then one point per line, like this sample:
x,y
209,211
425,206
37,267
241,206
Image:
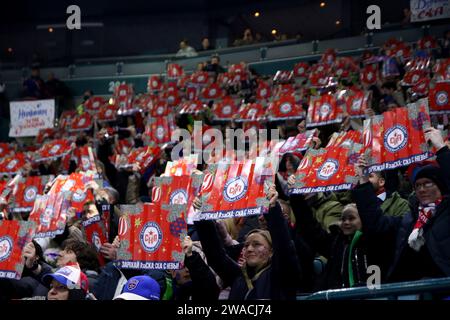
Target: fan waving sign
x,y
146,240
236,190
395,138
14,235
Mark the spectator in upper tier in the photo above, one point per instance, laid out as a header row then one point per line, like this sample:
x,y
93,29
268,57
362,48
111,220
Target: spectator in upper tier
x,y
247,38
34,87
186,50
206,45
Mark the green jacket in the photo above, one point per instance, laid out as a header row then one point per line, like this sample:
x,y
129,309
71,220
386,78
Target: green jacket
x,y
327,211
395,205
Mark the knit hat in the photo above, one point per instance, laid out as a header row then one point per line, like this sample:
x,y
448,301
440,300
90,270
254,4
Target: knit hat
x,y
434,174
140,288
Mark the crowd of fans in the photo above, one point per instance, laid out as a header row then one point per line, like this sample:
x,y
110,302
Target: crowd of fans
x,y
397,219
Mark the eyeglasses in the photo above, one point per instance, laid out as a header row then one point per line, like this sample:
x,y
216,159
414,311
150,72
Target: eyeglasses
x,y
427,185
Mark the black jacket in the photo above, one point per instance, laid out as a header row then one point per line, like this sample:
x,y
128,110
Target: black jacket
x,y
278,280
436,231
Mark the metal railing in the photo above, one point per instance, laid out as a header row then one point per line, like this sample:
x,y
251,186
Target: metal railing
x,y
392,291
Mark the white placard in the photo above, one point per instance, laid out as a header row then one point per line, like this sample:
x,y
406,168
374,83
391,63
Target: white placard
x,y
28,117
423,10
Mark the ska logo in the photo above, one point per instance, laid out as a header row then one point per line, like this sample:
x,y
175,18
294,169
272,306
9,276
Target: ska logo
x,y
96,241
235,189
78,196
328,169
132,284
263,92
46,217
285,108
151,237
395,138
55,149
30,193
108,113
160,133
212,92
6,246
226,110
356,104
179,196
324,110
85,163
442,98
12,164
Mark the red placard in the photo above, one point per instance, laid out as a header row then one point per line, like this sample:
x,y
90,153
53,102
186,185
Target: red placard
x,y
54,149
224,110
236,190
251,112
192,107
14,235
150,238
369,74
154,83
426,43
357,102
345,139
66,119
263,92
144,156
93,104
159,130
81,122
5,149
327,169
395,138
95,233
285,108
174,71
160,109
199,78
441,69
301,70
212,92
107,112
299,143
323,110
86,158
12,164
439,98
27,190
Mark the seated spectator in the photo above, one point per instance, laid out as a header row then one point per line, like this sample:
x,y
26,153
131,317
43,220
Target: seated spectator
x,y
422,234
206,45
140,288
186,50
247,39
214,66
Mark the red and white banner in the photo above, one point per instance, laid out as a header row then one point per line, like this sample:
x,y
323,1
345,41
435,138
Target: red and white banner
x,y
427,42
323,110
199,78
183,166
150,238
174,71
441,70
251,112
192,107
95,233
224,110
438,98
283,76
285,108
159,130
14,235
345,139
13,164
369,74
299,143
263,92
27,191
154,84
212,92
413,77
160,109
85,158
81,122
421,88
5,149
66,118
53,150
107,112
236,190
395,138
357,102
144,156
327,169
93,104
301,70
45,134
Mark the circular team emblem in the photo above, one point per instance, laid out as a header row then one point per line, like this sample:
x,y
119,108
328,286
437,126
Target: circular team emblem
x,y
301,71
235,189
160,133
201,78
82,122
96,104
415,78
96,241
328,169
132,284
12,164
78,196
55,149
207,181
324,110
6,246
395,138
442,98
156,194
108,113
263,92
370,76
179,196
160,110
155,84
356,104
85,163
399,53
212,92
226,110
123,226
285,108
46,217
151,237
30,193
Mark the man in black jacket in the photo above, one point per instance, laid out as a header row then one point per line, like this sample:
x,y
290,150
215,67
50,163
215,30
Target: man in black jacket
x,y
422,246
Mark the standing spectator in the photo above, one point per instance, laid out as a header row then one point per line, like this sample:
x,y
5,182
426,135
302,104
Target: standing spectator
x,y
186,50
206,45
406,21
34,87
58,90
